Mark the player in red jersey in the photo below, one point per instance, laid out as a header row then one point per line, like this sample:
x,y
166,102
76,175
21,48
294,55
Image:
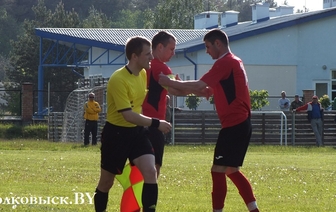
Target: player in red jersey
x,y
228,79
163,48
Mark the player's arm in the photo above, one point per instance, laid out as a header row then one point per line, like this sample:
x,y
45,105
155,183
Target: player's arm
x,y
141,120
187,87
206,92
303,108
177,92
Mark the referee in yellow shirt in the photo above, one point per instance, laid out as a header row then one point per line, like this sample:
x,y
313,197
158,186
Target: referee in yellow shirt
x,y
91,110
124,136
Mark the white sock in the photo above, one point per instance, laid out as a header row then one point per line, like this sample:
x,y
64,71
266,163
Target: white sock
x,y
252,205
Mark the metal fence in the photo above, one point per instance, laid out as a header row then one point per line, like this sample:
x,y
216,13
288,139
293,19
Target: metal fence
x,y
57,101
202,127
10,102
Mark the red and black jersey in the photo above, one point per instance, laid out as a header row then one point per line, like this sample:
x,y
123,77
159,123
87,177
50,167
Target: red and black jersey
x,y
155,102
229,81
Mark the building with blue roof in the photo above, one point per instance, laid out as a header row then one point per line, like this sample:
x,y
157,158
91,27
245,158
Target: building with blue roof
x,y
280,50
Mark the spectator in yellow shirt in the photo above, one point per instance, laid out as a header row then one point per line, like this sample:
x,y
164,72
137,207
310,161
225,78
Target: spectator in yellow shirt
x,y
91,110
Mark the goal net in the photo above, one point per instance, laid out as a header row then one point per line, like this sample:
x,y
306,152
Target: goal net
x,y
73,120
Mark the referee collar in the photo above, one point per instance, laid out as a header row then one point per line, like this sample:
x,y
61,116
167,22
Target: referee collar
x,y
129,71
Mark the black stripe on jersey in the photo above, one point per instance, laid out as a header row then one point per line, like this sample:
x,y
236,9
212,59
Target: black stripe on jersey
x,y
125,109
229,88
154,92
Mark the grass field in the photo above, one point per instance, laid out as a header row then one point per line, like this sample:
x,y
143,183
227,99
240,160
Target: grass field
x,y
284,178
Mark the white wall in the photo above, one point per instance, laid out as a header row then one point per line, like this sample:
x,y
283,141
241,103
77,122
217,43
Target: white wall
x,y
274,79
317,46
272,48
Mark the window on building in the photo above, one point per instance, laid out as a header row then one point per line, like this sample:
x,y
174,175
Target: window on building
x,y
321,89
333,84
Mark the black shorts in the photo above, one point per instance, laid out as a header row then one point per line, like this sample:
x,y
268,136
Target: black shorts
x,y
121,143
232,144
157,139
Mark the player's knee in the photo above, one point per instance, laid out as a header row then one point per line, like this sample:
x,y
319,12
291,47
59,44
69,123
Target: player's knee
x,y
105,185
217,168
231,170
150,175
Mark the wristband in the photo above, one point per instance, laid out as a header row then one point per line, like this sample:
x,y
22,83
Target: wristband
x,y
155,123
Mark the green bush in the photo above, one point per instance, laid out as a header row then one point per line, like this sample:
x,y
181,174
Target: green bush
x,y
258,99
12,131
193,101
38,131
325,101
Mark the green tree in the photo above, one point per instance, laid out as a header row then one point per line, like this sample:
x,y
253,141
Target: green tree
x,y
9,28
4,64
176,14
19,9
96,19
144,4
129,19
112,7
25,55
10,101
258,99
193,101
148,17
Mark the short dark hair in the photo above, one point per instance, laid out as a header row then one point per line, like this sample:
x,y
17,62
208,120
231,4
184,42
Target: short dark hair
x,y
162,37
134,45
216,34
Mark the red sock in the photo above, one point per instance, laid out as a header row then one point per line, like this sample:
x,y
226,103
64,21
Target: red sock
x,y
243,185
219,190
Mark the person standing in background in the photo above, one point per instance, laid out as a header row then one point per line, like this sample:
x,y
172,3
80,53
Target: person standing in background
x,y
91,116
315,116
296,103
284,103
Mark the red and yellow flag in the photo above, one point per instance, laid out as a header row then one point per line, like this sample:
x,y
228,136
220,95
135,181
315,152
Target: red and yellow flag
x,y
132,182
